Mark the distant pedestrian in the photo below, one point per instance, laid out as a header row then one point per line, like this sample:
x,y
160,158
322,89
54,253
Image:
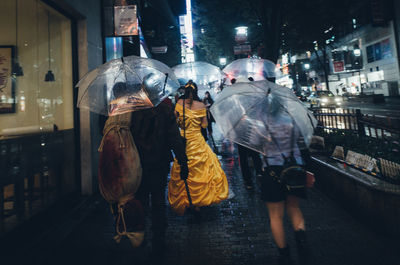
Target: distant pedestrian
x,y
244,154
208,101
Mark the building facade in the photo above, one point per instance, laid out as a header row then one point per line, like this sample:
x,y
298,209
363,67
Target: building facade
x,y
45,47
366,62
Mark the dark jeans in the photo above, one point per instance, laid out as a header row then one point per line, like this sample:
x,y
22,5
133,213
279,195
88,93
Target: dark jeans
x,y
244,154
205,130
154,182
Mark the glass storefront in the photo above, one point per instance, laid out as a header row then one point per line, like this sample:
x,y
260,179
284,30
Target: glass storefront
x,y
37,143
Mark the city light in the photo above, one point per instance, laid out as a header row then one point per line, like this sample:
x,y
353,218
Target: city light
x,y
306,66
242,30
222,61
186,29
356,51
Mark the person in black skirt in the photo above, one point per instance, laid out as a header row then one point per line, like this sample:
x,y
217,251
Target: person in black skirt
x,y
279,198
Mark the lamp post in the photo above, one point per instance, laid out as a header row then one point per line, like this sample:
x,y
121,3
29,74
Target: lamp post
x,y
222,61
357,53
241,40
241,31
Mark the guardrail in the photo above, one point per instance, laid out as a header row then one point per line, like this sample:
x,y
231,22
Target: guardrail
x,y
332,119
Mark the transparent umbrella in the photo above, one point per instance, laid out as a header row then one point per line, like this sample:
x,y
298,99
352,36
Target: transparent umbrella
x,y
127,84
258,69
208,77
262,116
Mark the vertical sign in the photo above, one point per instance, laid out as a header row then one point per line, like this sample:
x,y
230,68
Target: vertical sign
x,y
125,20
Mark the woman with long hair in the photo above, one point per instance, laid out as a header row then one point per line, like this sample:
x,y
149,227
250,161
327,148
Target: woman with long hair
x,y
208,101
206,180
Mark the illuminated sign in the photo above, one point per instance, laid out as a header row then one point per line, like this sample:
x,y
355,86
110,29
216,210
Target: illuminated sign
x,y
186,29
376,76
125,20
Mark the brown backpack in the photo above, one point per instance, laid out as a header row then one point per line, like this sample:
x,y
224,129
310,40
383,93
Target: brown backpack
x,y
120,174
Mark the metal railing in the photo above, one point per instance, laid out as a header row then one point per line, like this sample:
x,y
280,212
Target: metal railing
x,y
381,127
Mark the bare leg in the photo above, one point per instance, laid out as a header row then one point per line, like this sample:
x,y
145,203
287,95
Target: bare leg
x,y
298,223
276,212
294,213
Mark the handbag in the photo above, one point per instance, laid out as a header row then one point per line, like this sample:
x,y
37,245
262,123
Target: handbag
x,y
310,179
290,174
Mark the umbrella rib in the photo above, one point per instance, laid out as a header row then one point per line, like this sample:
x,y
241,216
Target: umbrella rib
x,y
243,115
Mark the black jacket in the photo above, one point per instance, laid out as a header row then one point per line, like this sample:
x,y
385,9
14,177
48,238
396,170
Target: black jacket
x,y
156,133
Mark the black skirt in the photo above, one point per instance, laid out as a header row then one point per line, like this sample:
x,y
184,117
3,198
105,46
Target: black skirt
x,y
273,191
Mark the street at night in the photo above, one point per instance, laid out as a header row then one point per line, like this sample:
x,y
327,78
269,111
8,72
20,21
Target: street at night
x,y
234,232
204,132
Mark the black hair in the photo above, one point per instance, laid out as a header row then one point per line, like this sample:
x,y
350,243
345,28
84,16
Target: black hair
x,y
119,89
210,99
233,80
191,92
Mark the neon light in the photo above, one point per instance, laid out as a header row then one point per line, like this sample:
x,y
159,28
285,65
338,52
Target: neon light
x,y
186,29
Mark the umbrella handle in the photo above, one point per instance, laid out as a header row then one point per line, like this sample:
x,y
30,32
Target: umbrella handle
x,y
165,82
188,194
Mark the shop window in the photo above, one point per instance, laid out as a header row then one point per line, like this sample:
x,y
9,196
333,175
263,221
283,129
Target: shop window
x,y
37,144
370,54
40,39
378,51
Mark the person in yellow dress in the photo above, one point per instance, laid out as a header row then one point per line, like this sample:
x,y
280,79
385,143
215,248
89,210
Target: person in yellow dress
x,y
206,180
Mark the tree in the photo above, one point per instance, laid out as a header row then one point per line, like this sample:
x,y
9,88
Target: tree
x,y
219,18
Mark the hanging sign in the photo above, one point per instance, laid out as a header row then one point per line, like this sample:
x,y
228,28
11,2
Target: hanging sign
x,y
338,66
125,20
241,49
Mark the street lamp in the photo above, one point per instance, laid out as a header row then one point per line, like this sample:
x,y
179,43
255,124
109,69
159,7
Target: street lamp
x,y
222,61
242,30
356,51
306,66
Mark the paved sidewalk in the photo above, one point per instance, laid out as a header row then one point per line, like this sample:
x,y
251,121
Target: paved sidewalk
x,y
232,233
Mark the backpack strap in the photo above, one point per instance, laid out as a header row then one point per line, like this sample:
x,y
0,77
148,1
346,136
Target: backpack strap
x,y
117,123
133,236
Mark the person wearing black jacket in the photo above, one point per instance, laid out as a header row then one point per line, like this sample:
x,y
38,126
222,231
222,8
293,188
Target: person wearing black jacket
x,y
156,133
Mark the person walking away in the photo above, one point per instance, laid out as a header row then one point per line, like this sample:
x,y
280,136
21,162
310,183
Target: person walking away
x,y
208,101
207,181
279,198
156,133
244,154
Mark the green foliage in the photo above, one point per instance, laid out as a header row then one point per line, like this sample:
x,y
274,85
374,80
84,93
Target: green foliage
x,y
218,19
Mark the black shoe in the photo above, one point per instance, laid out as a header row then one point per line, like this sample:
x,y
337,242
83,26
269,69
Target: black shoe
x,y
248,185
302,247
284,256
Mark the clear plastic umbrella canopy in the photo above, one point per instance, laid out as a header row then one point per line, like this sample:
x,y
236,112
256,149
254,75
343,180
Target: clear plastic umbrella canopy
x,y
242,69
127,84
263,116
208,77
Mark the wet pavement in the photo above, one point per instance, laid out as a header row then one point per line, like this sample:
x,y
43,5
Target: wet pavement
x,y
233,232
